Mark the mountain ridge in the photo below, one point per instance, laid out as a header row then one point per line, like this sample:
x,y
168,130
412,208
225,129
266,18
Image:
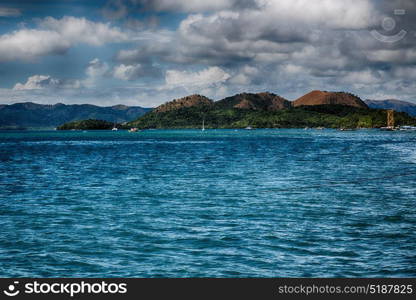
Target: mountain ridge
x,y
265,101
229,109
397,105
34,115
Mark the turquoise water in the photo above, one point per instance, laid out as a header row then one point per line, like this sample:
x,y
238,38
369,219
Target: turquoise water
x,y
219,203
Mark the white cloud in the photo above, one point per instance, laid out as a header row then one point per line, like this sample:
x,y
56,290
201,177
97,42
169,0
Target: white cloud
x,y
94,71
27,44
206,77
245,75
392,55
275,20
285,46
96,68
405,72
292,69
362,77
56,36
38,82
81,30
272,32
128,72
338,14
9,12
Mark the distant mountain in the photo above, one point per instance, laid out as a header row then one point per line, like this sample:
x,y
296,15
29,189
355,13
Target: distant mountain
x,y
396,105
32,115
332,98
266,110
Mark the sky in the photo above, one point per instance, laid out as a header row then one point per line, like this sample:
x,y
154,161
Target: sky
x,y
147,52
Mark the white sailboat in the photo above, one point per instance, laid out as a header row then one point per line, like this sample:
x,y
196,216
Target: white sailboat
x,y
203,124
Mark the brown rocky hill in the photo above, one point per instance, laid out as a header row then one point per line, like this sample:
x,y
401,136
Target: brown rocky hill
x,y
324,97
188,101
261,101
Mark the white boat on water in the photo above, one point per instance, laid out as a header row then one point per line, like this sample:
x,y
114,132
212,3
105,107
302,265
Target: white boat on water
x,y
408,128
114,129
388,128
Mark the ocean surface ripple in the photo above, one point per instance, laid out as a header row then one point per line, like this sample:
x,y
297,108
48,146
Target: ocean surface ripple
x,y
218,203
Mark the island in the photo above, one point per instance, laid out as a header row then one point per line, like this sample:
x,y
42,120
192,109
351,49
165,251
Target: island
x,y
87,125
262,110
268,110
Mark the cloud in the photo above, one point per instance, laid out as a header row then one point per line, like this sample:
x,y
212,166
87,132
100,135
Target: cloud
x,y
364,77
135,71
279,27
81,30
94,71
265,32
194,5
115,9
245,75
26,44
38,82
127,72
9,12
56,36
206,77
229,46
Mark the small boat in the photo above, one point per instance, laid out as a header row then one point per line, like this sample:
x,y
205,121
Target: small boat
x,y
388,128
134,129
203,124
114,129
407,128
248,128
347,129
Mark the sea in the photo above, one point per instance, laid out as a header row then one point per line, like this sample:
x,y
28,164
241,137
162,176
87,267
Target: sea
x,y
213,203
